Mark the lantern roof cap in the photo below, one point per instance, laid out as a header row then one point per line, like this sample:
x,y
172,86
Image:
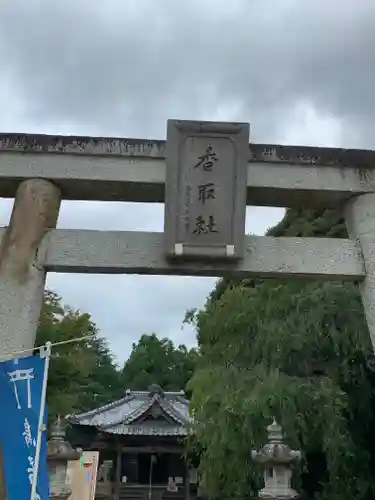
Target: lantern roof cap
x,y
275,452
58,449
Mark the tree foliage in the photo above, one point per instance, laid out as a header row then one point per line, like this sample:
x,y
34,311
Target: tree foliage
x,y
158,361
82,374
291,350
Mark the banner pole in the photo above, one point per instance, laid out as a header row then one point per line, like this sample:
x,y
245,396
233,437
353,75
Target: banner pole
x,y
41,427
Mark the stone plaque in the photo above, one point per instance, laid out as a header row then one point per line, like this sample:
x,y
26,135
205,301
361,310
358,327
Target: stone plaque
x,y
205,192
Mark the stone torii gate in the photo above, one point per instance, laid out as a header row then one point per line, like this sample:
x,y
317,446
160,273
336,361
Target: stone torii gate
x,y
41,170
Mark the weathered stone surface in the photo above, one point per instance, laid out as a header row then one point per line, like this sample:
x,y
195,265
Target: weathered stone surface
x,y
360,216
110,169
22,280
123,252
205,189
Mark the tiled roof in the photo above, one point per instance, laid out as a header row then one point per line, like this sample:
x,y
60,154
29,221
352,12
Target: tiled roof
x,y
121,416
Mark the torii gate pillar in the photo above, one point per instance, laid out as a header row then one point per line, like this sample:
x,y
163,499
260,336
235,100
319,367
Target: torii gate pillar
x,y
35,210
360,221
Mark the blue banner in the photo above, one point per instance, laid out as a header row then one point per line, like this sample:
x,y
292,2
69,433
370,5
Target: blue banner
x,y
21,383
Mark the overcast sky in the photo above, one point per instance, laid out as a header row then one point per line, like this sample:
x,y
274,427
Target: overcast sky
x,y
300,71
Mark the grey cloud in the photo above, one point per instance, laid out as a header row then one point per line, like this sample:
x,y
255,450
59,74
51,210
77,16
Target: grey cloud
x,y
293,69
125,67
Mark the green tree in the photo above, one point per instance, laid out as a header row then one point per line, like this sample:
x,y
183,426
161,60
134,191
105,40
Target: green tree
x,y
158,361
82,374
291,350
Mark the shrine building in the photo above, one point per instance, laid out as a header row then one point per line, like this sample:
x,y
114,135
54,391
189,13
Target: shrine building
x,y
140,439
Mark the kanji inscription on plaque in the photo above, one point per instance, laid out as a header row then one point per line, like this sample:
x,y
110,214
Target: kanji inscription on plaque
x,y
205,193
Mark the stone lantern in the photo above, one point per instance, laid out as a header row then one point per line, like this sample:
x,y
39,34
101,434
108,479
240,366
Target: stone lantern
x,y
59,452
276,458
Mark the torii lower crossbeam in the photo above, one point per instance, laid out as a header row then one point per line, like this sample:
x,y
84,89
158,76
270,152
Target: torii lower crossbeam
x,y
128,252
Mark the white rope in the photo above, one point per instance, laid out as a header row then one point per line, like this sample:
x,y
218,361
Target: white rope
x,y
78,339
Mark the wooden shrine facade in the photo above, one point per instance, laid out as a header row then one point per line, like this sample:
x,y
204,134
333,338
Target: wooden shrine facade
x,y
140,439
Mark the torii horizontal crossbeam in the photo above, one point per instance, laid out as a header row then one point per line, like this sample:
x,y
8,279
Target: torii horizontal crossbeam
x,y
105,169
123,252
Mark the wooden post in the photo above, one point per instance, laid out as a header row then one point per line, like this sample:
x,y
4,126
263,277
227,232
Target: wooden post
x,y
118,471
187,481
35,211
360,219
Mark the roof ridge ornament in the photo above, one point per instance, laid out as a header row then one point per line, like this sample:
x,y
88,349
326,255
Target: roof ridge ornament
x,y
155,389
